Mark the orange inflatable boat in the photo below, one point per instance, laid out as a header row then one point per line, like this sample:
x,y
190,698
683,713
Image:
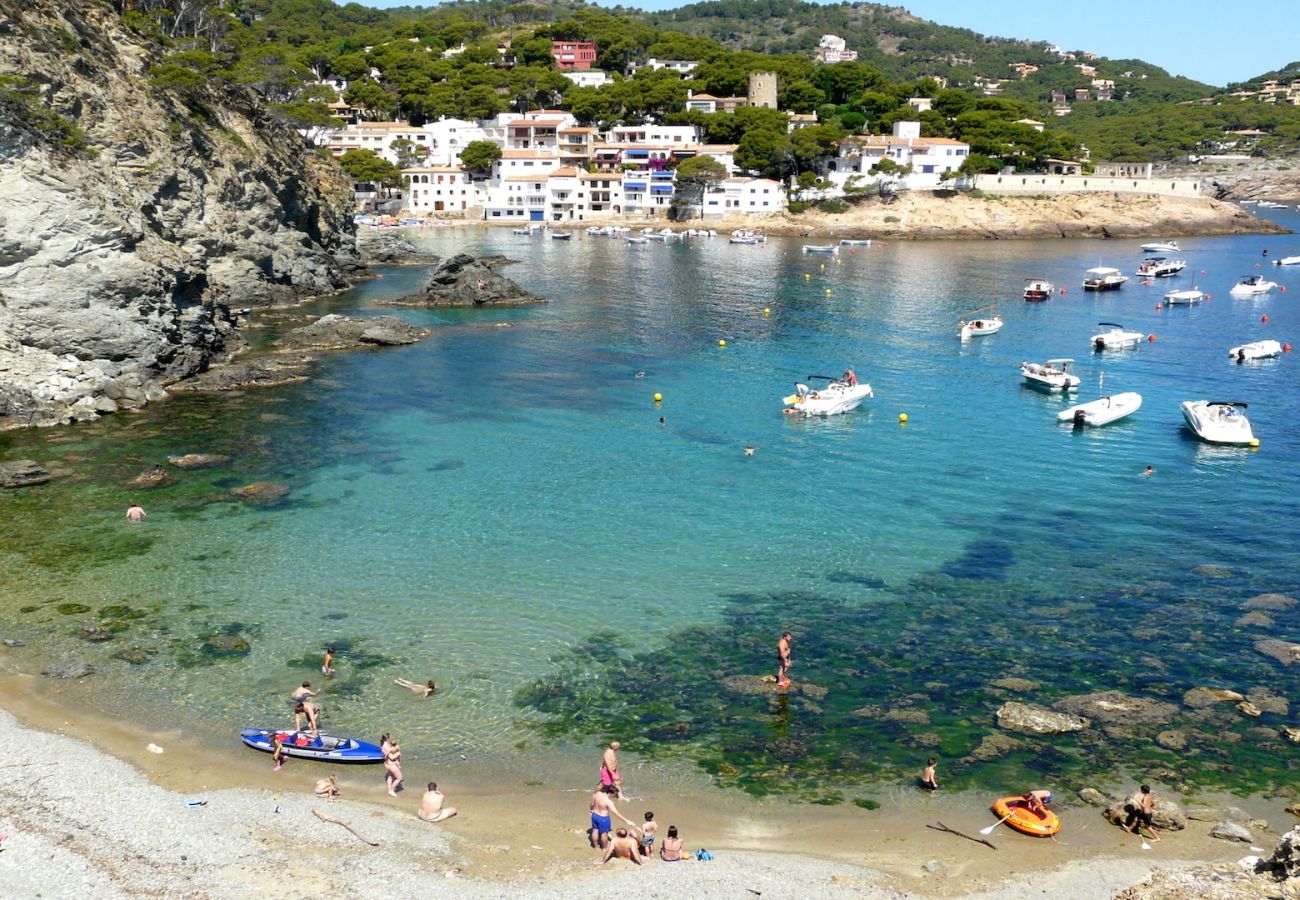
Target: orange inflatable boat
x,y
1025,820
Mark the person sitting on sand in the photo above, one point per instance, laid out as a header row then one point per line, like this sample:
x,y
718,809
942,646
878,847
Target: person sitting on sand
x,y
927,777
672,850
431,808
602,808
623,846
328,787
1037,801
423,690
135,513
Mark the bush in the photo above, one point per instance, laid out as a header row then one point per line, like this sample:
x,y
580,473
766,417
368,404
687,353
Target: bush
x,y
20,103
834,207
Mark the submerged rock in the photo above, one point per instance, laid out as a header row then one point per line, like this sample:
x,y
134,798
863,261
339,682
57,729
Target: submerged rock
x,y
1173,740
1246,708
1255,620
154,476
225,645
1021,685
766,684
198,460
1283,651
260,373
466,281
18,473
1213,571
334,332
262,493
1231,831
1028,719
1202,697
136,656
1270,602
994,745
73,668
1291,734
1116,708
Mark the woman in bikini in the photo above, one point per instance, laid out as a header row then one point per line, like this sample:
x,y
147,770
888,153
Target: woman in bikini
x,y
671,851
392,764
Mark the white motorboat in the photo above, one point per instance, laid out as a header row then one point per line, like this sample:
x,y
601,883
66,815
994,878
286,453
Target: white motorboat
x,y
740,236
1117,338
978,324
840,395
636,241
1054,375
1160,267
1038,290
1219,421
846,242
1102,411
1287,261
1161,247
1103,278
1184,298
1270,204
1252,286
600,230
820,248
1256,350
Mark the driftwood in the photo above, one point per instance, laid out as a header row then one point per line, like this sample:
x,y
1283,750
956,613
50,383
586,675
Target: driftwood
x,y
324,818
943,827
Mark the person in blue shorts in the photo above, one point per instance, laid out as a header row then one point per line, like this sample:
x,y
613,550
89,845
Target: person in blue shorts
x,y
602,810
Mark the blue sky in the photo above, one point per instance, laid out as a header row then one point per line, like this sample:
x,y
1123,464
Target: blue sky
x,y
1209,40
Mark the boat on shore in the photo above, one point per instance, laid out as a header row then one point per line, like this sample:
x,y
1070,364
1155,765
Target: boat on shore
x,y
1103,278
1101,411
1219,421
978,324
820,248
1252,286
1053,375
1184,298
1017,814
1116,338
1161,247
840,395
1160,267
1287,261
1038,290
306,746
1256,350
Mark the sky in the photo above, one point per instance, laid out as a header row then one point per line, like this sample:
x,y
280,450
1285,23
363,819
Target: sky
x,y
1212,41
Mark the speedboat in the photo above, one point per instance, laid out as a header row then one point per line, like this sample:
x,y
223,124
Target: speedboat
x,y
846,242
1101,411
1117,338
305,746
1184,298
1103,278
1159,267
1038,289
1054,375
1252,286
978,327
820,248
562,235
1287,261
1161,247
1256,350
1218,421
840,395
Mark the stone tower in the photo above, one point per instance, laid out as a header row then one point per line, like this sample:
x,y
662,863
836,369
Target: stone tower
x,y
762,89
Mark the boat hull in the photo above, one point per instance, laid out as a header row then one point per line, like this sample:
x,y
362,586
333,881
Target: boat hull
x,y
304,746
1101,411
1256,350
1217,424
830,401
1019,816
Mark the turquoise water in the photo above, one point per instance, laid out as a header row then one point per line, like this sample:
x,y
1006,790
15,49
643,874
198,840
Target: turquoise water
x,y
475,508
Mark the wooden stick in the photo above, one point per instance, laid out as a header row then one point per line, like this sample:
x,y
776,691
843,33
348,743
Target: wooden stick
x,y
324,818
943,827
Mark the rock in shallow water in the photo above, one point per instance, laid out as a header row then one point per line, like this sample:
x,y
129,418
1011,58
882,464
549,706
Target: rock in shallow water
x,y
262,493
1270,602
1202,697
18,473
466,281
197,460
1115,708
73,668
1028,719
334,332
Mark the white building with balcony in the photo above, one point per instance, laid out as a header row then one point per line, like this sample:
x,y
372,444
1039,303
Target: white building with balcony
x,y
430,190
744,196
930,158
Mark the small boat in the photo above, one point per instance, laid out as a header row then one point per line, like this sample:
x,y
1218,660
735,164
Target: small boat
x,y
1256,350
1270,204
1101,411
1103,278
1252,286
561,235
1159,267
820,248
635,241
846,242
1038,290
1219,421
600,230
1287,261
1054,375
978,324
840,395
1017,814
1161,247
1184,298
304,746
1117,338
521,231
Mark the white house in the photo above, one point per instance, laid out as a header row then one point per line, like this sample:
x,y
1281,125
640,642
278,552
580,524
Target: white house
x,y
680,66
744,196
447,137
588,77
832,49
438,189
929,157
676,135
518,163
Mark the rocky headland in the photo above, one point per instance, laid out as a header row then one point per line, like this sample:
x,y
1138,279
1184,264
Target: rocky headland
x,y
134,217
465,280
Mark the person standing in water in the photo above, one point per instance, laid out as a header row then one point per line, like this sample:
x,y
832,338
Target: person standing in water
x,y
609,774
927,777
327,664
135,512
783,659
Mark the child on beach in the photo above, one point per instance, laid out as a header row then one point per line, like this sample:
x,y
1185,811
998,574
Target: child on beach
x,y
277,752
648,832
328,787
927,777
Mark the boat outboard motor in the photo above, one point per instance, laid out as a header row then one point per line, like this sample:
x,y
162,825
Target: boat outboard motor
x,y
1099,344
1080,418
1241,357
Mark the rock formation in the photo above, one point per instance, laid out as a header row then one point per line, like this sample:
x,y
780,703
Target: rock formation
x,y
336,332
1029,719
466,281
22,473
387,247
133,217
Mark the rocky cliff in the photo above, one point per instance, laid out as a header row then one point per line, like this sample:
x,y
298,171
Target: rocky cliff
x,y
133,217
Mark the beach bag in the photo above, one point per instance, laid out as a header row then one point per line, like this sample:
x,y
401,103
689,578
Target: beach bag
x,y
703,855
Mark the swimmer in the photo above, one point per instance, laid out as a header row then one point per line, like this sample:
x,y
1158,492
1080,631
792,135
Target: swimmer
x,y
927,777
749,451
1149,471
135,513
423,690
327,664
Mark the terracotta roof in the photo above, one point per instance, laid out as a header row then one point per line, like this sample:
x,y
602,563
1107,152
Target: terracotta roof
x,y
702,97
578,131
601,176
566,172
527,123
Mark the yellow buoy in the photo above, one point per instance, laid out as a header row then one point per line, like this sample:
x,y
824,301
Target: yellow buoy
x,y
1254,442
823,267
902,418
828,292
722,343
767,311
807,277
659,398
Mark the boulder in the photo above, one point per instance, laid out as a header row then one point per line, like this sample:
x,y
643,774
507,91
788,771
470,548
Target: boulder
x,y
334,332
1268,702
198,460
1116,708
1285,861
1026,718
154,476
1284,652
1172,740
1231,831
13,642
73,668
1270,602
238,376
262,493
1167,815
1255,619
1291,734
1294,809
466,281
1094,797
1246,708
16,473
1201,697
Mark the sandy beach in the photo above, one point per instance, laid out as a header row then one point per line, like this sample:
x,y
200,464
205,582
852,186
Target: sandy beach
x,y
110,819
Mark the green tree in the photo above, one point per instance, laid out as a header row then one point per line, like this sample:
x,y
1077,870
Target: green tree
x,y
693,177
801,96
479,156
366,166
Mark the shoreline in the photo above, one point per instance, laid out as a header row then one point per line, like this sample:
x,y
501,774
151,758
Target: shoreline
x,y
509,839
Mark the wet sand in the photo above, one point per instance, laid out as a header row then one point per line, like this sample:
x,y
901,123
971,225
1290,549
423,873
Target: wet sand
x,y
70,773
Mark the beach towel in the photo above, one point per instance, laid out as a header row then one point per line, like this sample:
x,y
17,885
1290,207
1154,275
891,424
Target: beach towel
x,y
703,855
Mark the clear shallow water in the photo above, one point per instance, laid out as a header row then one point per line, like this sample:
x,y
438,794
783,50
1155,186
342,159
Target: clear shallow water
x,y
474,508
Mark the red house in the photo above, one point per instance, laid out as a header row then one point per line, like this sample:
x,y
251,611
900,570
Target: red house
x,y
573,54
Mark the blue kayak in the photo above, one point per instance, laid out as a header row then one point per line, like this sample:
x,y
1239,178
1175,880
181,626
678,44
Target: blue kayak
x,y
304,746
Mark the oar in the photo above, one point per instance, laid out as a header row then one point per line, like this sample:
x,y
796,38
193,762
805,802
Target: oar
x,y
989,830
